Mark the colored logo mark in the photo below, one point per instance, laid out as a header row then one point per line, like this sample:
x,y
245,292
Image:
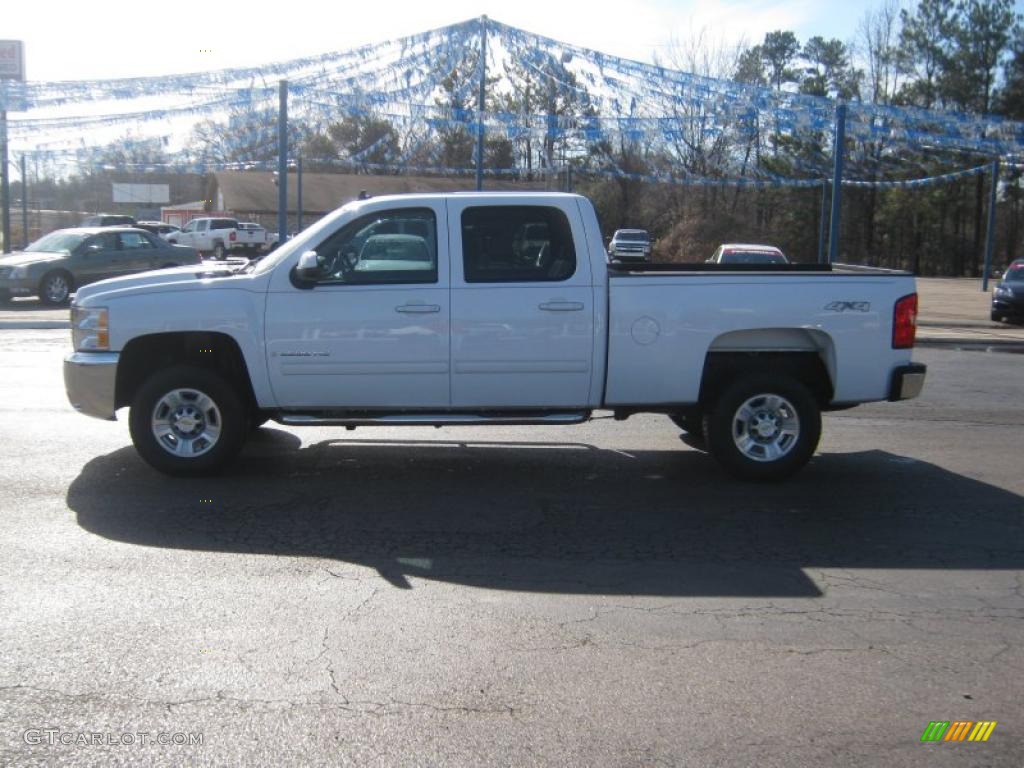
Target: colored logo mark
x,y
958,730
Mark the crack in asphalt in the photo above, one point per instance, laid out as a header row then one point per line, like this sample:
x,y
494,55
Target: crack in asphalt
x,y
364,706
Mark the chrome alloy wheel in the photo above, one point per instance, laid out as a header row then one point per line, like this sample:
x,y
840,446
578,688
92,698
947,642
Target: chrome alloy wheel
x,y
186,423
766,427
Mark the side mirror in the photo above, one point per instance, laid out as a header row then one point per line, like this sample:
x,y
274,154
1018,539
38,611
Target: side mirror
x,y
307,271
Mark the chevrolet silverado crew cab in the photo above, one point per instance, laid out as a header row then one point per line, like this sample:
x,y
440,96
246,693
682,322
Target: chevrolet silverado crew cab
x,y
486,308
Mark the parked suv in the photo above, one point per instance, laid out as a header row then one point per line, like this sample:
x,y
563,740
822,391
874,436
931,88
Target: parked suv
x,y
158,228
109,220
630,245
747,253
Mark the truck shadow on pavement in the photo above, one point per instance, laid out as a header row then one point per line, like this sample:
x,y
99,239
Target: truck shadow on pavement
x,y
559,517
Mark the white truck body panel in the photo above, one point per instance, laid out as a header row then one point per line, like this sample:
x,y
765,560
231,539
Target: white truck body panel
x,y
517,345
666,325
360,346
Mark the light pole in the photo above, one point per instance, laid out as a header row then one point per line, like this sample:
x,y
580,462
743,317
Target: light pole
x,y
5,183
298,193
24,205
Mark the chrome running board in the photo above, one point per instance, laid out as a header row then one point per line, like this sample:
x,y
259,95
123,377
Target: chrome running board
x,y
432,419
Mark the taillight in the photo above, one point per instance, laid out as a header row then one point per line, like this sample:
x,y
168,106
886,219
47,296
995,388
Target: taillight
x,y
904,322
232,236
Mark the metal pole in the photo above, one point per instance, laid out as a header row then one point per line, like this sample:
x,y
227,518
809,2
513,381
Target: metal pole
x,y
480,106
5,182
298,192
838,150
821,223
282,162
24,205
990,232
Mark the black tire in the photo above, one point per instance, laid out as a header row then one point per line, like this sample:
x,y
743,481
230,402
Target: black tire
x,y
228,415
689,421
218,251
169,265
774,400
997,317
55,288
257,419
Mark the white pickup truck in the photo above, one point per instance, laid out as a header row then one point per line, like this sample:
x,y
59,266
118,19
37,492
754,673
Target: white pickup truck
x,y
439,310
219,236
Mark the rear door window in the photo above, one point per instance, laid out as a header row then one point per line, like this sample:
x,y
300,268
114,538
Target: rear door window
x,y
134,241
516,243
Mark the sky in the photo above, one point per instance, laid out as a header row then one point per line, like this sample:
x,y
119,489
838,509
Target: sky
x,y
109,39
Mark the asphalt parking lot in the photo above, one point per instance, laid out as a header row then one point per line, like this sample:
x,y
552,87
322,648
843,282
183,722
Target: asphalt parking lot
x,y
593,595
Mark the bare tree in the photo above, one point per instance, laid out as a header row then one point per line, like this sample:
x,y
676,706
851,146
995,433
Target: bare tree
x,y
699,53
878,37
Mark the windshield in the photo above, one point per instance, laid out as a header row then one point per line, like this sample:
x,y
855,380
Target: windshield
x,y
1014,273
633,237
57,241
752,257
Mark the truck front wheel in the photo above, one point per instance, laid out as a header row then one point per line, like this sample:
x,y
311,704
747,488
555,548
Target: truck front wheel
x,y
187,421
764,427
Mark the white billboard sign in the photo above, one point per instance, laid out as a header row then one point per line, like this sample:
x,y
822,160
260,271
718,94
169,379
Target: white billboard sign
x,y
142,193
12,60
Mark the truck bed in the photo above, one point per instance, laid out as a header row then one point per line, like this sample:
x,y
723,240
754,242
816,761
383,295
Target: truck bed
x,y
666,319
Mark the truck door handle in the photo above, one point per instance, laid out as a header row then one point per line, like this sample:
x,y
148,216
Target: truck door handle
x,y
562,306
418,309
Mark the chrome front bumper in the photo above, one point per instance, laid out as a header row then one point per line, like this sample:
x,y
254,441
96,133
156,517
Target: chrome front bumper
x,y
90,379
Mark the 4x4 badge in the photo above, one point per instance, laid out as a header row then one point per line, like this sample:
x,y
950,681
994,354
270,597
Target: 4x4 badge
x,y
848,306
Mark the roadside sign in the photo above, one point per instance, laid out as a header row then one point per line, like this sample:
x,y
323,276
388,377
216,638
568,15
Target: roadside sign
x,y
12,60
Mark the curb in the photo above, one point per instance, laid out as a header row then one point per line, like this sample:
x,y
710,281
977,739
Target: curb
x,y
966,341
34,325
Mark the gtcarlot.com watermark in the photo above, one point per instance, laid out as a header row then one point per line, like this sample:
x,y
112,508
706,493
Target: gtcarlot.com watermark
x,y
55,737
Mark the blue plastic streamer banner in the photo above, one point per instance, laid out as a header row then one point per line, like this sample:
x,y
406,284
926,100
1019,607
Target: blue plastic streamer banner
x,y
569,104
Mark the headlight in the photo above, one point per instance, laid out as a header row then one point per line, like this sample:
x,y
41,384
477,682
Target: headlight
x,y
1002,290
90,329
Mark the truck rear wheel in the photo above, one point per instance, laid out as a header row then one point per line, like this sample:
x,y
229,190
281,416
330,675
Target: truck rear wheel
x,y
689,421
187,421
692,423
764,427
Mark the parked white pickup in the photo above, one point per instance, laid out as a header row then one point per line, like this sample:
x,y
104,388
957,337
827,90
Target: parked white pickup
x,y
219,236
487,309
